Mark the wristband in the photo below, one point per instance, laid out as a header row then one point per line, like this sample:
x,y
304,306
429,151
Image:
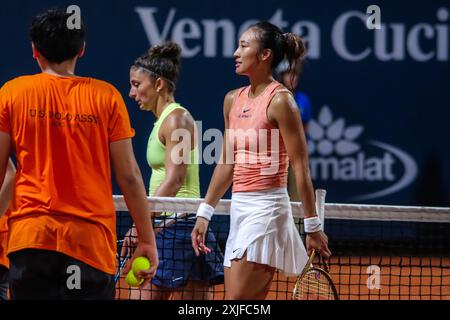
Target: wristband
x,y
205,211
312,224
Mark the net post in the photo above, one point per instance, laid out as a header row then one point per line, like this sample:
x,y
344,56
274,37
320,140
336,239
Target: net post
x,y
320,206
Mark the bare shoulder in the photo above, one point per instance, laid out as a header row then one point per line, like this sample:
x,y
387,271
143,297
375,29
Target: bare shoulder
x,y
179,119
228,101
282,104
230,95
282,99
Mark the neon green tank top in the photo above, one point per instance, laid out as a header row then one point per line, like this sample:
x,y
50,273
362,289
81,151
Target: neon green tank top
x,y
156,158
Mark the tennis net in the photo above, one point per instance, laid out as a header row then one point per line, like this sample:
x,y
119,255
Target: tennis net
x,y
379,252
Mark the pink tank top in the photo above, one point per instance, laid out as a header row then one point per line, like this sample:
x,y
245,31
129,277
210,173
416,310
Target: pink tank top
x,y
260,157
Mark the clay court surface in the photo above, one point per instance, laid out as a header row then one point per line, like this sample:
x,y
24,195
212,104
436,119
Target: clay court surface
x,y
401,278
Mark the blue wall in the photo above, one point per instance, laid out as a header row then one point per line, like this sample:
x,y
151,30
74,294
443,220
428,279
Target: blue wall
x,y
384,119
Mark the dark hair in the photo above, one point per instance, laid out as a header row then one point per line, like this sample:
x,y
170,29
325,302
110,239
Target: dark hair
x,y
53,39
162,61
287,46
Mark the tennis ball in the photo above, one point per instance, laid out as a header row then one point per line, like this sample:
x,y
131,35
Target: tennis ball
x,y
140,263
132,280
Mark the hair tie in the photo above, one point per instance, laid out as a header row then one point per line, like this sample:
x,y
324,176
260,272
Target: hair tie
x,y
138,65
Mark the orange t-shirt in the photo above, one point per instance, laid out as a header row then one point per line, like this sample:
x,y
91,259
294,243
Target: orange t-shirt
x,y
260,158
60,130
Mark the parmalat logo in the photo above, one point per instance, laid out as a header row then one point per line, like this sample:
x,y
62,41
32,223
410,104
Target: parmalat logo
x,y
337,155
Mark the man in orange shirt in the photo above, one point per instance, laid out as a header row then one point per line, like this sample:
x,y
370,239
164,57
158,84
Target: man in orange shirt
x,y
67,132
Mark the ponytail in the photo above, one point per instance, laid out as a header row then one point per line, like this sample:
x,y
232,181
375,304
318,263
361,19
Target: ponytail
x,y
294,52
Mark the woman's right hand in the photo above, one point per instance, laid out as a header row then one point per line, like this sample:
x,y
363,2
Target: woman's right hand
x,y
198,236
318,241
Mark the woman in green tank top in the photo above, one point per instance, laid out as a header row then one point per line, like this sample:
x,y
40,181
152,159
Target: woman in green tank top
x,y
181,274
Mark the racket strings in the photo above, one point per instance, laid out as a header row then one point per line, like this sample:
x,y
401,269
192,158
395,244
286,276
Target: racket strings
x,y
314,285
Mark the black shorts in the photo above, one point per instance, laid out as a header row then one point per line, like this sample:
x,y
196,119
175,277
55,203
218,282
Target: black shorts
x,y
49,275
3,282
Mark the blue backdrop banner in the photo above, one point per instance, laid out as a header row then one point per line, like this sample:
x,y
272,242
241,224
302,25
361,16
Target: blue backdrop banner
x,y
377,78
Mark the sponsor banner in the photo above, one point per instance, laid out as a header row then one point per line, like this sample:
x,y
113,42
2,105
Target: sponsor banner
x,y
377,76
365,169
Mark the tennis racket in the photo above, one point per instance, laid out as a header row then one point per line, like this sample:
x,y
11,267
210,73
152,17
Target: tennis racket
x,y
122,263
158,228
315,283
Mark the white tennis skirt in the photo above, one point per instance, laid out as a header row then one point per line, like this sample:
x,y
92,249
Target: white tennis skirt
x,y
261,224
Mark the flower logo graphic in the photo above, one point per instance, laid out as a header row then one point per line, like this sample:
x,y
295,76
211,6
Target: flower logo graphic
x,y
328,136
336,156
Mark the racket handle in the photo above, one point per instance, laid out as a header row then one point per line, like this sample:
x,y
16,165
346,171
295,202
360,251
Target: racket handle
x,y
122,264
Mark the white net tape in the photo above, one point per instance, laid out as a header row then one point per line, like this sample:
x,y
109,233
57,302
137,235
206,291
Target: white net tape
x,y
332,210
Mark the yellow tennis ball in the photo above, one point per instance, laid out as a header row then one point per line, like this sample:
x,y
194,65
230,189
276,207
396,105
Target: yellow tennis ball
x,y
132,280
140,263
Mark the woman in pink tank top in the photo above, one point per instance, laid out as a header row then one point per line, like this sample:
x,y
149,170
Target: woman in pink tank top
x,y
263,133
